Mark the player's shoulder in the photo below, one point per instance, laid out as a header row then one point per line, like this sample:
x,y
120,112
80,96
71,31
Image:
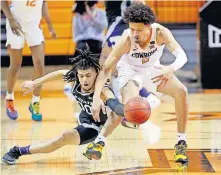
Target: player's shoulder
x,y
160,29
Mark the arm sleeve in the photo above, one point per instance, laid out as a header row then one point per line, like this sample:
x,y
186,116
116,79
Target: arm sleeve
x,y
116,106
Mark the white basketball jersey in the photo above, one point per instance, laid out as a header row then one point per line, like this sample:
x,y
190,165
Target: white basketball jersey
x,y
148,56
26,10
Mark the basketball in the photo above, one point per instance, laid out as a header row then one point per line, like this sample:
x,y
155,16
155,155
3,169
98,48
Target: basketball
x,y
137,111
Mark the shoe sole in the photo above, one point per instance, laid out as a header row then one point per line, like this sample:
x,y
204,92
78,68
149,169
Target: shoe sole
x,y
87,156
96,155
12,118
8,162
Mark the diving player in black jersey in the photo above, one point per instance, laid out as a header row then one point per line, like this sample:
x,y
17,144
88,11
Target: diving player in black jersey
x,y
83,75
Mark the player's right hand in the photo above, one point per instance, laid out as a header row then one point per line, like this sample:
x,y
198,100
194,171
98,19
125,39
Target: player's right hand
x,y
15,27
27,87
97,105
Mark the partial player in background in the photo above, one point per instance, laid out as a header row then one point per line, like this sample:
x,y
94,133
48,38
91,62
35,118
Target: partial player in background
x,y
23,25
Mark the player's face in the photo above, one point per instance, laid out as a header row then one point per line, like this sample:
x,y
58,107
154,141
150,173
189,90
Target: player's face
x,y
139,32
87,78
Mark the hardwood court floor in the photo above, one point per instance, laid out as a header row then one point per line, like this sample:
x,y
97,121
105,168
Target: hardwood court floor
x,y
145,150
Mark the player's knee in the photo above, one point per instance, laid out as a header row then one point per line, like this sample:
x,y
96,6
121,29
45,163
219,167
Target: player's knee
x,y
39,62
15,68
131,86
181,92
130,90
66,136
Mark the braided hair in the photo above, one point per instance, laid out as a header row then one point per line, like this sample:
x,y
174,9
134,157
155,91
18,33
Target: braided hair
x,y
85,60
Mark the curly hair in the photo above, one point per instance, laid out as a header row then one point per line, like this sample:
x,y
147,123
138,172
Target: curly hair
x,y
139,13
85,60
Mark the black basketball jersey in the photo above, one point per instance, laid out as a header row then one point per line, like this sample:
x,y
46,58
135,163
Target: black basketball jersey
x,y
115,9
85,102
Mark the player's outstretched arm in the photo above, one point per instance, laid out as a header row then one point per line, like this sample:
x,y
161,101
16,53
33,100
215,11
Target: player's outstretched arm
x,y
29,86
120,49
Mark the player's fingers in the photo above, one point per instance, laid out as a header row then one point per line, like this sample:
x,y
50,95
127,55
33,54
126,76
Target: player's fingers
x,y
103,109
26,91
166,81
161,83
94,113
97,117
21,31
20,28
17,32
157,80
159,76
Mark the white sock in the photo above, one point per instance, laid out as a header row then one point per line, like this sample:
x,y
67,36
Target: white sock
x,y
153,101
181,136
35,99
10,96
100,138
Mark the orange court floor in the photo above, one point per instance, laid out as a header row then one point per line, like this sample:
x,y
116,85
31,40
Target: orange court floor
x,y
147,149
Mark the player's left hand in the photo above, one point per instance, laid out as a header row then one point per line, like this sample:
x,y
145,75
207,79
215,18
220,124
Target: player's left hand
x,y
52,31
165,77
27,87
97,105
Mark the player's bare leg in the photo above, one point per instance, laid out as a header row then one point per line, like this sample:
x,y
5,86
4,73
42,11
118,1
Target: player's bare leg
x,y
15,65
38,61
178,91
129,91
94,149
70,137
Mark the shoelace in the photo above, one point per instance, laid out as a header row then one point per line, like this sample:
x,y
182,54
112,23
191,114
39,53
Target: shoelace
x,y
14,153
181,149
10,105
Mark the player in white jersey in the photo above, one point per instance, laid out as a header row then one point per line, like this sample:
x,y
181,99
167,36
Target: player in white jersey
x,y
137,58
23,25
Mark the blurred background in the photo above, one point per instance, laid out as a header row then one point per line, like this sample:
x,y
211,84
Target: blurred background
x,y
181,17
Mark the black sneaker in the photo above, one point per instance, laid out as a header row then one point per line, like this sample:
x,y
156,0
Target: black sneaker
x,y
11,156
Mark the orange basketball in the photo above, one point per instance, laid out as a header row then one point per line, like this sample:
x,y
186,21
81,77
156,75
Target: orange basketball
x,y
137,111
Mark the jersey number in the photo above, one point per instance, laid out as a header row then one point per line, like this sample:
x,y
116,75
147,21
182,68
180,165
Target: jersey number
x,y
31,3
85,108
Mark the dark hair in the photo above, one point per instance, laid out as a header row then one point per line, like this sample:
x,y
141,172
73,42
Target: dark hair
x,y
80,6
83,61
139,13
